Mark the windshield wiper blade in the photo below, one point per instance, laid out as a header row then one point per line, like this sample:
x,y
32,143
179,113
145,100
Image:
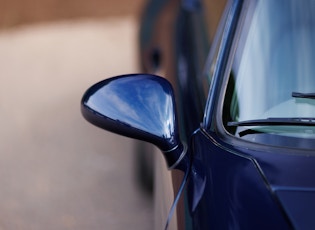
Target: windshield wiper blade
x,y
303,95
290,121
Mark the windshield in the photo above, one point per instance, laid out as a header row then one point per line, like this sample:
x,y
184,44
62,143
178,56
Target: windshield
x,y
273,71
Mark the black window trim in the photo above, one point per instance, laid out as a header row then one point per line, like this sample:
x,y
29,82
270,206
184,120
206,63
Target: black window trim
x,y
232,18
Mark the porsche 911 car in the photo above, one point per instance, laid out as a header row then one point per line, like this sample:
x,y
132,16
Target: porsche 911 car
x,y
232,111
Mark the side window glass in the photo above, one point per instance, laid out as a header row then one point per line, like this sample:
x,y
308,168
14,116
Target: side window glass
x,y
202,24
213,13
215,22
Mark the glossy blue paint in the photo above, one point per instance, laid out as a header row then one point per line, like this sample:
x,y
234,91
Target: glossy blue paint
x,y
254,186
237,196
140,106
289,173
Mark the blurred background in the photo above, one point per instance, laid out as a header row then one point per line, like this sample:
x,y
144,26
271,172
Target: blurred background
x,y
21,12
56,170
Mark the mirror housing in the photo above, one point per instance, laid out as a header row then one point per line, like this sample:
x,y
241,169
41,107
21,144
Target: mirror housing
x,y
139,106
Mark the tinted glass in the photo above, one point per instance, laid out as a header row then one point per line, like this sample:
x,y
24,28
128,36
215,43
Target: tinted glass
x,y
274,60
214,13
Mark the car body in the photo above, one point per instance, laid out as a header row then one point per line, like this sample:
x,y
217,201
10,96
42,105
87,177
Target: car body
x,y
242,102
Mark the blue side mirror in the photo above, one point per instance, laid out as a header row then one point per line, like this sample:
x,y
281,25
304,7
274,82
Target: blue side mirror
x,y
139,106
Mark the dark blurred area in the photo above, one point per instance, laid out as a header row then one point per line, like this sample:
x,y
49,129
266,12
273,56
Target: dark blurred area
x,y
19,12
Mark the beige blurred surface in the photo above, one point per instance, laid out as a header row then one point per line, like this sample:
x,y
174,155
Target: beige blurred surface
x,y
56,170
21,12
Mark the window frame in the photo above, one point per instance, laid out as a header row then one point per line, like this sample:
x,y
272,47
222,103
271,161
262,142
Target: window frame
x,y
215,126
224,43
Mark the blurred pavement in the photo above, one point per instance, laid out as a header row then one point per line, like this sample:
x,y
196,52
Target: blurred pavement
x,y
56,170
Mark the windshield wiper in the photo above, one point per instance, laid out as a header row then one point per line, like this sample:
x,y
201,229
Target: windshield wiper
x,y
290,121
303,95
